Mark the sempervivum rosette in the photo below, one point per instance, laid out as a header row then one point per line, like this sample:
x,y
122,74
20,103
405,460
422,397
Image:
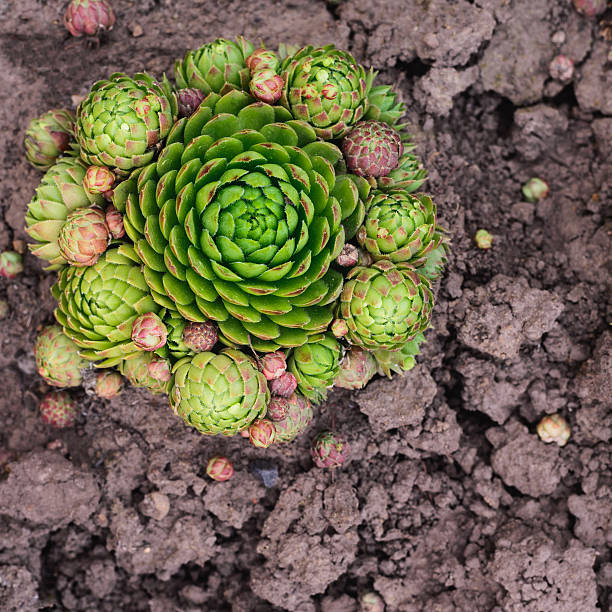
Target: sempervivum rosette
x,y
385,305
48,136
218,67
297,419
123,119
236,223
60,193
221,393
99,303
327,88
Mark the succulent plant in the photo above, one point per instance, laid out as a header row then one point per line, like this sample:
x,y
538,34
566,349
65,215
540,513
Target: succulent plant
x,y
590,8
339,328
266,86
384,105
327,88
283,386
98,179
385,305
273,365
58,409
218,393
98,305
398,360
149,332
250,244
219,468
535,189
108,384
372,148
483,239
409,175
174,348
159,369
329,450
278,408
60,193
400,227
188,100
122,121
83,237
299,415
357,367
114,221
315,366
554,428
262,433
136,370
11,264
200,337
57,358
216,67
48,136
561,68
88,17
262,59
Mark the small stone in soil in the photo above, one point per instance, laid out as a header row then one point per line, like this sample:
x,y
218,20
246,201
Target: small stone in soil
x,y
266,471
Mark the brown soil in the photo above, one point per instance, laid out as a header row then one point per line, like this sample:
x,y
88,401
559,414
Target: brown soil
x,y
450,501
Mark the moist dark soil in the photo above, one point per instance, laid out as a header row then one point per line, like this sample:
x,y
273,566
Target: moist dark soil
x,y
449,501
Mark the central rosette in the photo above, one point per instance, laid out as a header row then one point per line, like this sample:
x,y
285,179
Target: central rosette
x,y
235,223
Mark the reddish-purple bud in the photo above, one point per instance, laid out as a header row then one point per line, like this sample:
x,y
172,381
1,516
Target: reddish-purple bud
x,y
284,385
590,8
89,17
200,337
220,469
349,256
262,59
277,408
149,332
273,365
108,384
58,409
262,433
11,264
329,450
188,101
159,369
339,328
114,220
267,86
98,179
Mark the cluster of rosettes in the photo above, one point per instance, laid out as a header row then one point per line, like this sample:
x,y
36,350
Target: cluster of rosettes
x,y
242,241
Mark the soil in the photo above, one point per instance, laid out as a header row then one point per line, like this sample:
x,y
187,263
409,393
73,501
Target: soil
x,y
449,501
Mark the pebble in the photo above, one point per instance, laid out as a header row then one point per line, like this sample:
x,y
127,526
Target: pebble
x,y
266,471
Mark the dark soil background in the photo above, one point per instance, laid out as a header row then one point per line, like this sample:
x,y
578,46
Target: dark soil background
x,y
450,501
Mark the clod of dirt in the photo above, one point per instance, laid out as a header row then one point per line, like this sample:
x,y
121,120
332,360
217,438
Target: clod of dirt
x,y
505,314
18,589
593,89
45,488
436,90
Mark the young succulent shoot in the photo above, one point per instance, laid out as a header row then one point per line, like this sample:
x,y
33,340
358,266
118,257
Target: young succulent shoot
x,y
200,337
277,408
89,17
372,149
58,409
553,428
483,239
535,189
11,264
329,450
57,357
371,602
298,418
266,86
356,369
48,136
273,365
283,386
108,384
98,179
159,369
149,332
262,433
561,68
262,59
339,328
349,256
84,237
188,100
114,221
220,468
590,8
